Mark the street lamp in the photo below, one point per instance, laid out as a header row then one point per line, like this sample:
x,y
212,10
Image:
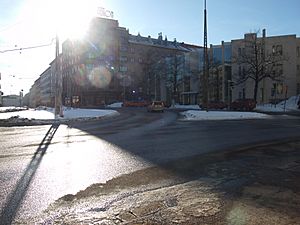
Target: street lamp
x,y
21,97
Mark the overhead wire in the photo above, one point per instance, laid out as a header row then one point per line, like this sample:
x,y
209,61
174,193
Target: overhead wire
x,y
27,48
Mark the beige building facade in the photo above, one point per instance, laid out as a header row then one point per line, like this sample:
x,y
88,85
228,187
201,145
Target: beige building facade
x,y
288,67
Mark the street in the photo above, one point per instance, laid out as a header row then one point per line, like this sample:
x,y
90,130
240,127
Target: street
x,y
40,164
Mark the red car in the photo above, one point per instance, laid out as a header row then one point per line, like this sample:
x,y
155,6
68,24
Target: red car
x,y
243,104
135,103
215,105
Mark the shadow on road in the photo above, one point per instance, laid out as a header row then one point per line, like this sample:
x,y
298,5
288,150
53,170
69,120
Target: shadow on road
x,y
15,198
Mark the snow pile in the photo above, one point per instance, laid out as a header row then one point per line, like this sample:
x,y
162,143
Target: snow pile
x,y
29,114
115,105
290,105
177,106
221,115
11,109
46,114
72,113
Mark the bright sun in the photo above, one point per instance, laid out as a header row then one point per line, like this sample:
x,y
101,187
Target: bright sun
x,y
69,18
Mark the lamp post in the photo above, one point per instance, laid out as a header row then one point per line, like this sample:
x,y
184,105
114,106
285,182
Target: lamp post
x,y
58,82
205,59
21,97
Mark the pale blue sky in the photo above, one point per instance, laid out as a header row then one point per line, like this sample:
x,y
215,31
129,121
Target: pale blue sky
x,y
28,22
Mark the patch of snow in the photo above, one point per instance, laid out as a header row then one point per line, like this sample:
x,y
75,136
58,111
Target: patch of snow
x,y
11,109
46,113
87,113
177,106
115,105
290,105
222,115
29,114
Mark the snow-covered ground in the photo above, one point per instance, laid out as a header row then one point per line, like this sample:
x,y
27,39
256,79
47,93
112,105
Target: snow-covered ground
x,y
222,115
10,108
290,105
115,105
177,106
44,113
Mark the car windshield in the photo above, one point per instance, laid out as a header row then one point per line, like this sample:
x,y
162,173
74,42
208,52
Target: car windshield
x,y
149,112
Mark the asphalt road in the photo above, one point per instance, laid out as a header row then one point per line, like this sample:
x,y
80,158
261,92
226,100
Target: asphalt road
x,y
40,164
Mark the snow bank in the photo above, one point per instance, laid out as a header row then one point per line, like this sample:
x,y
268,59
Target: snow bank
x,y
46,113
115,105
29,114
87,113
221,115
290,105
11,109
176,106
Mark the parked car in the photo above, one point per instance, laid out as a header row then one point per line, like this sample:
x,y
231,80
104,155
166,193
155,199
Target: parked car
x,y
156,106
214,105
135,103
243,104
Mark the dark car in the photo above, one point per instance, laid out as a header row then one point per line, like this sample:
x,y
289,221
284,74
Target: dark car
x,y
215,105
243,104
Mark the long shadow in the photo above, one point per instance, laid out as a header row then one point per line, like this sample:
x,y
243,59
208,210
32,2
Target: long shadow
x,y
161,141
15,199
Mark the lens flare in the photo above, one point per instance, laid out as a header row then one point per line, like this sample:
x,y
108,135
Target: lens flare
x,y
100,77
80,76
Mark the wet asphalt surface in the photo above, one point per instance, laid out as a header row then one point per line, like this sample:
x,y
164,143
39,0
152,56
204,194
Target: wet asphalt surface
x,y
40,164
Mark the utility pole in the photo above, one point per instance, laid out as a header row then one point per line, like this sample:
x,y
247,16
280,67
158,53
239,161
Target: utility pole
x,y
205,60
58,82
263,52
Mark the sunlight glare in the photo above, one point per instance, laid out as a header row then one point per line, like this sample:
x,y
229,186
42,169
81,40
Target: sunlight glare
x,y
67,18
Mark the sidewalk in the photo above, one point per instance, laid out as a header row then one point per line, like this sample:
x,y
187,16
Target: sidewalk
x,y
255,185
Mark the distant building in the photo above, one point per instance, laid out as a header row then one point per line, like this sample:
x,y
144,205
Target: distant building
x,y
35,94
220,58
269,90
45,88
111,64
11,100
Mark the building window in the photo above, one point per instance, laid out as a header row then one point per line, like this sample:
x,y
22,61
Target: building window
x,y
123,59
132,50
240,94
298,88
240,51
132,60
277,49
123,48
280,69
140,60
298,51
298,70
123,68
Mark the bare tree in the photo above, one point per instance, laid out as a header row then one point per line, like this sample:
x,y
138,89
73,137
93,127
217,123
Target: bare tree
x,y
257,64
214,79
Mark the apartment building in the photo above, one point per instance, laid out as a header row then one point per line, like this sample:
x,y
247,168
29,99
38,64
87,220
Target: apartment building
x,y
45,88
35,94
110,64
220,79
286,48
